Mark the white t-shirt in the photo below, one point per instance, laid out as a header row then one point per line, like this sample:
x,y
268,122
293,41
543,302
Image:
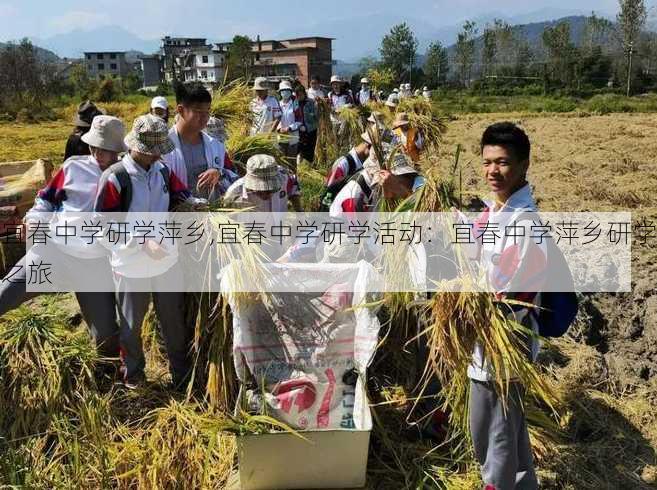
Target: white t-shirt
x,y
316,93
265,113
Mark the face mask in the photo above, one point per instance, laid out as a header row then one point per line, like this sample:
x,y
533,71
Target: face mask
x,y
286,94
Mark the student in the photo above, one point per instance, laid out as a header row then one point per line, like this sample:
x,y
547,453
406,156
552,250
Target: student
x,y
497,422
140,182
290,121
426,93
309,124
197,159
85,115
409,138
266,187
73,190
339,97
315,91
160,108
365,95
344,167
265,109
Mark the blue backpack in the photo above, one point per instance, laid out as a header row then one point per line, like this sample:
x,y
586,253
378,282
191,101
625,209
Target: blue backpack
x,y
558,309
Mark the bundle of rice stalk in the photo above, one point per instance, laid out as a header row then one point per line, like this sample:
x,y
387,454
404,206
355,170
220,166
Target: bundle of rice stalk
x,y
77,451
231,102
241,147
43,365
352,124
423,117
327,149
460,320
177,446
208,311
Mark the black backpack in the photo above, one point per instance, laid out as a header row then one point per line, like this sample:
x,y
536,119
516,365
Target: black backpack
x,y
121,174
330,193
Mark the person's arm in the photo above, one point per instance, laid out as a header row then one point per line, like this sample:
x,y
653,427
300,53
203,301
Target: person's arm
x,y
338,172
294,193
419,141
50,198
178,192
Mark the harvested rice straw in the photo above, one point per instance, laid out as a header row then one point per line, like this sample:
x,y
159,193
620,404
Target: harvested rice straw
x,y
327,148
209,313
42,366
423,117
181,446
241,147
231,103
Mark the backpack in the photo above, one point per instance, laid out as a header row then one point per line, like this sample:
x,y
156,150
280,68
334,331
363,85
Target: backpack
x,y
330,193
558,308
121,174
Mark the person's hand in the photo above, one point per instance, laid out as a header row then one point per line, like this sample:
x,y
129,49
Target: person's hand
x,y
154,250
283,130
208,179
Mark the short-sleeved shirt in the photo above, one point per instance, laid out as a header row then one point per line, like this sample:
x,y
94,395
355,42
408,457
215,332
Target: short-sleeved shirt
x,y
265,112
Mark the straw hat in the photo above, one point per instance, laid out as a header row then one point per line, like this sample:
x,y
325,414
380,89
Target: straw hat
x,y
393,100
285,85
262,174
400,120
401,165
366,138
149,135
159,102
86,112
260,83
375,118
106,133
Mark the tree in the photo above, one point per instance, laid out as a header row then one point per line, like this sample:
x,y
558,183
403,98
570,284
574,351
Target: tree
x,y
465,51
240,60
596,30
631,19
381,78
399,50
436,66
489,50
561,52
23,77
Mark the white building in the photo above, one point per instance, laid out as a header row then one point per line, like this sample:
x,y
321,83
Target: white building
x,y
203,64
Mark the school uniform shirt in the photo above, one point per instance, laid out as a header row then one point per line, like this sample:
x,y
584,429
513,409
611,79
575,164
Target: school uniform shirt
x,y
340,100
71,190
149,195
210,153
353,199
265,113
238,195
289,120
511,265
364,96
316,94
340,168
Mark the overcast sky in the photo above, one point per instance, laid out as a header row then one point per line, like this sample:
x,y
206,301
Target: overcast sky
x,y
220,19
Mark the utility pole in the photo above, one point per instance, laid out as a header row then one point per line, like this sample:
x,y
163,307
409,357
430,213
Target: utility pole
x,y
629,68
410,70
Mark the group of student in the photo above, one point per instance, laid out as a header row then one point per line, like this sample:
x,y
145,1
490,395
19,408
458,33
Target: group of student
x,y
162,167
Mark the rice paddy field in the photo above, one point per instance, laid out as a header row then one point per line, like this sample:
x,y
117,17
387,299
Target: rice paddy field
x,y
62,429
